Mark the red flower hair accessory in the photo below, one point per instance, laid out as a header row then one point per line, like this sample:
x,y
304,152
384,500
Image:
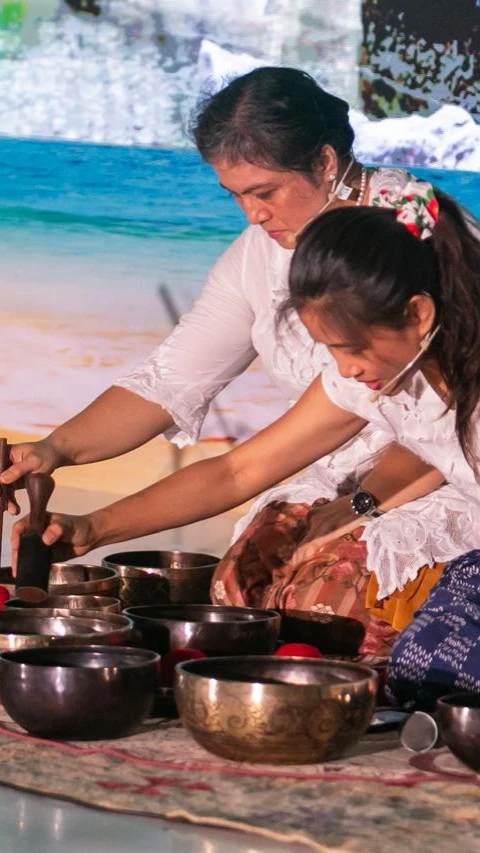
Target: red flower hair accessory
x,y
417,208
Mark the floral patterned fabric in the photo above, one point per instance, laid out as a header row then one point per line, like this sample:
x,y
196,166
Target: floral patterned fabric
x,y
268,567
417,209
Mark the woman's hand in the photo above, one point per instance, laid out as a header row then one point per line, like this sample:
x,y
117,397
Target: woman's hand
x,y
70,536
38,457
335,517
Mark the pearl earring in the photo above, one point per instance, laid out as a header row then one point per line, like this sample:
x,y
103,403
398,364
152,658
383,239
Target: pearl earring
x,y
331,193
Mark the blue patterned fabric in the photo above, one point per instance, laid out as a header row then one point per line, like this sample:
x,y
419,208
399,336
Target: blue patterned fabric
x,y
439,652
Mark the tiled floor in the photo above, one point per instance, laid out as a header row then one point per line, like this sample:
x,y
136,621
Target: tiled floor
x,y
34,824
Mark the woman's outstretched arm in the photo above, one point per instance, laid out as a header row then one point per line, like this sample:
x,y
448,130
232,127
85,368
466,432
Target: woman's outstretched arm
x,y
312,428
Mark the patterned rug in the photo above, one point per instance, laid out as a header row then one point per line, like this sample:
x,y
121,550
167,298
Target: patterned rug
x,y
378,798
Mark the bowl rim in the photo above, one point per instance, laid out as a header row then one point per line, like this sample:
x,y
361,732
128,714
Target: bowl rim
x,y
66,564
262,615
460,700
100,575
121,561
11,656
183,668
104,599
87,637
47,613
74,612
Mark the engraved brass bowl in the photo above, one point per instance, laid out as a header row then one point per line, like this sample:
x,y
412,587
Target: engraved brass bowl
x,y
77,603
212,628
79,692
160,577
275,710
458,720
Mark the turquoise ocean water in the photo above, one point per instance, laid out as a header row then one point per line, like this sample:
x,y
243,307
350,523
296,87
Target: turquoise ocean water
x,y
95,223
87,234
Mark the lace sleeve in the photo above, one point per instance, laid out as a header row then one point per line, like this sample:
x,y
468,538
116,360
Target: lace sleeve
x,y
210,346
433,529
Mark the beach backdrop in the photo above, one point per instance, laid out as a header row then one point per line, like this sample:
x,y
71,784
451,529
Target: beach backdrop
x,y
88,235
104,205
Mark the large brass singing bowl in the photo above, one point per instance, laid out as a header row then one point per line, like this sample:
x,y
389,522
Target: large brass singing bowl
x,y
458,720
38,628
275,710
82,579
160,577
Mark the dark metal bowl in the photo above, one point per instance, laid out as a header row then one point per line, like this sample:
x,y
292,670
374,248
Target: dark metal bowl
x,y
82,579
76,603
331,634
275,710
159,577
38,627
213,629
458,720
78,693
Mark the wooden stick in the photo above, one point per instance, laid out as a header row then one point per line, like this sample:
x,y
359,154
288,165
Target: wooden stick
x,y
4,463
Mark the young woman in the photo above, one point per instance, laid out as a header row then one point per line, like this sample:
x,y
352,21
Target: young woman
x,y
394,295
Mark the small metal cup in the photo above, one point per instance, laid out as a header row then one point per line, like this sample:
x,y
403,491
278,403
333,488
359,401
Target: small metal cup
x,y
420,733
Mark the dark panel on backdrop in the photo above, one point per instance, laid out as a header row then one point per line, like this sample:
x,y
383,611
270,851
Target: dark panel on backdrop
x,y
419,54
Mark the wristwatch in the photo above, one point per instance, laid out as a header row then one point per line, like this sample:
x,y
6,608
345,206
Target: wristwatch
x,y
363,503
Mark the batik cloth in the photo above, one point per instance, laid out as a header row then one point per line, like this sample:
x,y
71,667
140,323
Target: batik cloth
x,y
439,652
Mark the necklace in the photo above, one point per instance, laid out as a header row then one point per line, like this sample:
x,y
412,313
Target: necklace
x,y
363,186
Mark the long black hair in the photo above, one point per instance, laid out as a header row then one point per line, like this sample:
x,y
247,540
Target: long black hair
x,y
365,266
278,118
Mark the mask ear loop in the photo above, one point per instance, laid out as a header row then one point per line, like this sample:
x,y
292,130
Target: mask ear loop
x,y
390,386
340,190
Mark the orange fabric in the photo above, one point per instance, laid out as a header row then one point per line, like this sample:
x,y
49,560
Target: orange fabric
x,y
398,608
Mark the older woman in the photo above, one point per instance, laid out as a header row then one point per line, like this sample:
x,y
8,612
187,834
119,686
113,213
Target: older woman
x,y
282,147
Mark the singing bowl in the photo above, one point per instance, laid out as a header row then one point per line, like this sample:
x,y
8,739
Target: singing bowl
x,y
331,634
159,577
458,721
275,710
71,602
82,579
26,629
212,628
78,693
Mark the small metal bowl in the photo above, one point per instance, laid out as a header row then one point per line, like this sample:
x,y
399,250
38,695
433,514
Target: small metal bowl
x,y
78,693
38,627
160,577
70,602
82,579
275,710
331,634
458,720
212,628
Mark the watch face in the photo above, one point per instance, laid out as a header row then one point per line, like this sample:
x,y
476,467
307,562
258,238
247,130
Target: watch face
x,y
363,502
